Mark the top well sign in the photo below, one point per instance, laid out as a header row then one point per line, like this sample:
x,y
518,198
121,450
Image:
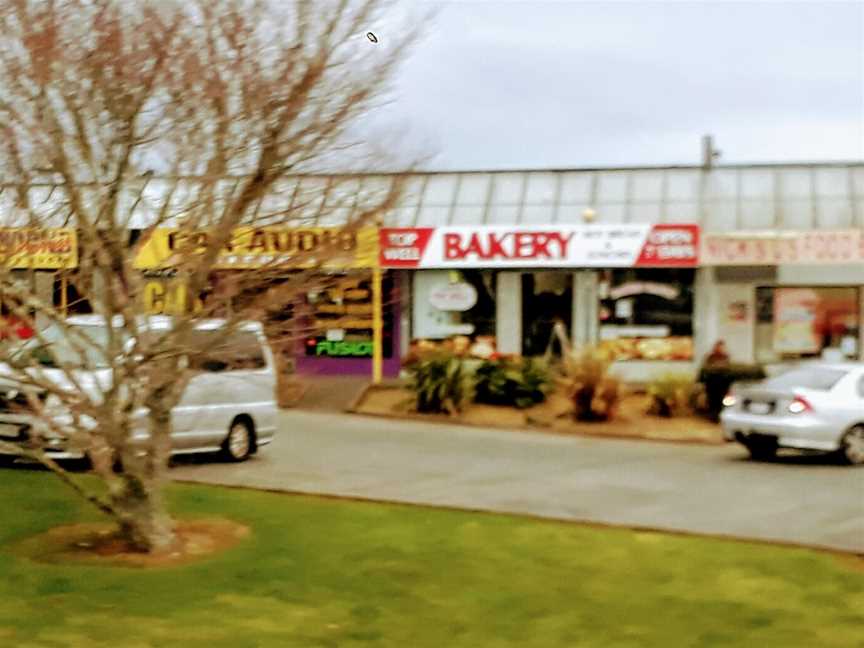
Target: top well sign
x,y
574,246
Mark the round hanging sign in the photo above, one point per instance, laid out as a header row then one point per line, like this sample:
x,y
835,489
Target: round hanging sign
x,y
454,297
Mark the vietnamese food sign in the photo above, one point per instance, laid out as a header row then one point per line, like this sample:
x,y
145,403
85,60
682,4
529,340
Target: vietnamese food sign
x,y
578,246
38,248
776,247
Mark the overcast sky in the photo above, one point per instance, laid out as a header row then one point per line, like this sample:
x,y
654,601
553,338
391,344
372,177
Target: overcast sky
x,y
510,84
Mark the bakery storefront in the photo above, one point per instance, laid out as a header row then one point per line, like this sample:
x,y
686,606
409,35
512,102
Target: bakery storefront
x,y
322,319
532,290
782,296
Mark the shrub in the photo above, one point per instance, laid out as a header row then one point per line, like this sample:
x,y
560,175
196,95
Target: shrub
x,y
593,392
440,383
718,379
510,380
671,394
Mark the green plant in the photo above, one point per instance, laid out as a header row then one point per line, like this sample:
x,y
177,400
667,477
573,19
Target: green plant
x,y
587,382
671,394
440,382
510,380
718,379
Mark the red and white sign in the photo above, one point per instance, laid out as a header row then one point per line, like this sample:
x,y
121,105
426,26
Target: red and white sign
x,y
574,246
817,247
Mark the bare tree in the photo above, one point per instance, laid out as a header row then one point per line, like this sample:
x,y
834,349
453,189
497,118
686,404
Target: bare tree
x,y
204,117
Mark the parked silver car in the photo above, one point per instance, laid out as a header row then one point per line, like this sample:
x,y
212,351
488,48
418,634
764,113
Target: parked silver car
x,y
818,407
229,403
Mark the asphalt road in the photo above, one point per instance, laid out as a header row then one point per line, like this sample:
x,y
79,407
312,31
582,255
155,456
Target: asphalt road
x,y
703,489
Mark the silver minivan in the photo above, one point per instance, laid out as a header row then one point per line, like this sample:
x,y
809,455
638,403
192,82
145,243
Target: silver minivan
x,y
229,404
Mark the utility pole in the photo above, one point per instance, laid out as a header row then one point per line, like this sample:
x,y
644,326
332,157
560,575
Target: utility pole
x,y
709,153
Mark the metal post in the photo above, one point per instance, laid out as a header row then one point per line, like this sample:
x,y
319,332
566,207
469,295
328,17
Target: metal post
x,y
377,326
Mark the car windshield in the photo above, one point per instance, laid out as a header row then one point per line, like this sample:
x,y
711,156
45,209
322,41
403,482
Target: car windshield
x,y
76,346
818,378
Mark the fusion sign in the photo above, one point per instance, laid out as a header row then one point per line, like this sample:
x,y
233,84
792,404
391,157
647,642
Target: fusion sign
x,y
577,246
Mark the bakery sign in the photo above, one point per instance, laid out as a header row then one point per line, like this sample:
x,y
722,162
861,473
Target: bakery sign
x,y
577,246
816,247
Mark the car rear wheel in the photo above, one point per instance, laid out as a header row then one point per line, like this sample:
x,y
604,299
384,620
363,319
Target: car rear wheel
x,y
239,442
761,450
852,446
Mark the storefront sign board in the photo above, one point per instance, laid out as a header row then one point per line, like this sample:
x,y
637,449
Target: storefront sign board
x,y
575,246
264,247
38,249
815,247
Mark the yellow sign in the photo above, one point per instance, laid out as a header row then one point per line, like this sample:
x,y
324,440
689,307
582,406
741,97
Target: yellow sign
x,y
38,248
168,297
266,247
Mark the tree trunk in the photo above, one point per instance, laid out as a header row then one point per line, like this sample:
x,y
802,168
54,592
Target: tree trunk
x,y
144,520
145,523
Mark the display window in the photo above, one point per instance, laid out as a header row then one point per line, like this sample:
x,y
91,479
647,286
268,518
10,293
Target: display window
x,y
807,322
457,306
647,313
340,317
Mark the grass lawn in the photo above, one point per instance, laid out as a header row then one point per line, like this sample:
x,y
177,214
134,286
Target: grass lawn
x,y
341,574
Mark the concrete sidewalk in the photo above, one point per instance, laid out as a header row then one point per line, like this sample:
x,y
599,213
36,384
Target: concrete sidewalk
x,y
700,489
329,393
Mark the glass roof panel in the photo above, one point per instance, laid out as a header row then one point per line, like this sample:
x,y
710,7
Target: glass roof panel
x,y
681,212
757,213
647,185
682,185
612,187
795,182
609,213
757,183
576,188
721,216
647,212
503,215
432,216
468,215
835,213
832,182
538,215
473,190
439,191
797,214
508,189
541,188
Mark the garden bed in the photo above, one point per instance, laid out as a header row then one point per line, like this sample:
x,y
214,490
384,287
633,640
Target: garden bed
x,y
553,415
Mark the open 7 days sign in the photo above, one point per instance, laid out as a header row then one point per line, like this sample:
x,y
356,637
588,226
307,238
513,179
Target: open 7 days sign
x,y
575,246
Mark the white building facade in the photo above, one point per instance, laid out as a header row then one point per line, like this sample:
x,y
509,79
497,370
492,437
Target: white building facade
x,y
656,264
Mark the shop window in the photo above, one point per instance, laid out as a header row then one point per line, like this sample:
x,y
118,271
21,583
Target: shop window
x,y
647,313
227,351
454,304
67,295
807,322
340,317
547,300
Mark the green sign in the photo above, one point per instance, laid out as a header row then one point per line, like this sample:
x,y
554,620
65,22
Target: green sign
x,y
340,349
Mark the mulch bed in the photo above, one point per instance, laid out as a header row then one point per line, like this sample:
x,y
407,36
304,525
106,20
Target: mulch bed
x,y
631,421
99,544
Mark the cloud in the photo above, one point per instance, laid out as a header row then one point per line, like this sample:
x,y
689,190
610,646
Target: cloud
x,y
534,84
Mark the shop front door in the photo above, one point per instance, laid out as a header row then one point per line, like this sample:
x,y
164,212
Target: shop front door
x,y
547,299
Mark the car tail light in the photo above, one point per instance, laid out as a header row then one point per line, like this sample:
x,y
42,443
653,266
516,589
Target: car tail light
x,y
800,405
